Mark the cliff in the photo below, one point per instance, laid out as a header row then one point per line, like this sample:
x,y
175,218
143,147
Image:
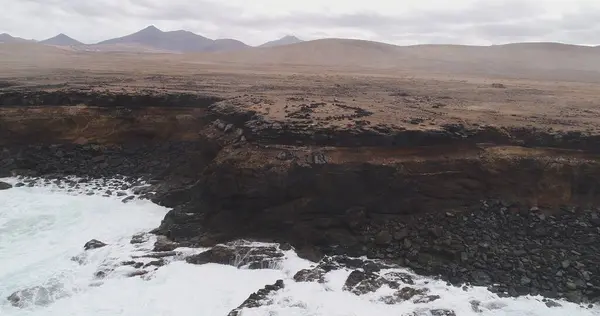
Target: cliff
x,y
461,200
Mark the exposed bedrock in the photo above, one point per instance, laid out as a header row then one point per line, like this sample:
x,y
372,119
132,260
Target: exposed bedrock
x,y
486,206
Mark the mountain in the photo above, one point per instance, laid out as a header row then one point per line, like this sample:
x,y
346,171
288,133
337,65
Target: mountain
x,y
61,40
286,40
7,38
527,60
177,41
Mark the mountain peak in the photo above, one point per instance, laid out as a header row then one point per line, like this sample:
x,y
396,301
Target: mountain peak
x,y
61,40
176,41
7,38
151,28
286,40
290,37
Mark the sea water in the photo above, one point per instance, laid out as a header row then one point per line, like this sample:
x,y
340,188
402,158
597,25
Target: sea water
x,y
43,229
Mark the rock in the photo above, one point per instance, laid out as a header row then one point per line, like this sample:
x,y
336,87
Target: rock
x,y
285,155
401,234
399,276
481,278
93,244
565,264
164,244
442,312
551,303
310,275
156,263
37,295
427,299
5,186
157,255
406,293
137,273
360,283
383,238
140,238
128,199
319,158
475,306
258,298
574,296
239,255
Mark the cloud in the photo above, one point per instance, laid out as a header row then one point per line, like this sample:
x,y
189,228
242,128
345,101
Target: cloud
x,y
257,21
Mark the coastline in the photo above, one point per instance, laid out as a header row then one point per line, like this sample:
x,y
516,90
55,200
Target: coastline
x,y
510,207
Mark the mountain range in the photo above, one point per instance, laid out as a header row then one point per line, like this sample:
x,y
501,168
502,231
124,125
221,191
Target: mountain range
x,y
153,39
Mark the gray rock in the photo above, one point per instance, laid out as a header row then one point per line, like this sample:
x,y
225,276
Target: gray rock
x,y
551,303
401,234
37,295
93,244
128,199
475,306
319,158
571,286
139,238
310,275
164,244
258,298
427,299
574,296
442,312
5,186
525,281
360,283
239,255
383,238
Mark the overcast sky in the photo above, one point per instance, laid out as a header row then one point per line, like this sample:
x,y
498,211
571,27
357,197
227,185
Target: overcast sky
x,y
478,22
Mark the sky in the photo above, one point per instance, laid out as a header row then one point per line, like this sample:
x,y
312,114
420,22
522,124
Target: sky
x,y
403,22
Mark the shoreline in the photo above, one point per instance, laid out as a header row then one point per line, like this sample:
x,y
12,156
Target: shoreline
x,y
478,205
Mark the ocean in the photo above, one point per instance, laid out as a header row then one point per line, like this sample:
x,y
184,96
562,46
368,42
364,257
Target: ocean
x,y
43,230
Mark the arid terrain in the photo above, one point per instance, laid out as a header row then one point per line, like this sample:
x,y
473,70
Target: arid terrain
x,y
410,154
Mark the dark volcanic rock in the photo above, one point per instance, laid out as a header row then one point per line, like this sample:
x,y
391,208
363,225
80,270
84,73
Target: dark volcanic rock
x,y
164,244
93,244
238,255
407,293
310,275
360,283
139,238
258,298
5,186
442,312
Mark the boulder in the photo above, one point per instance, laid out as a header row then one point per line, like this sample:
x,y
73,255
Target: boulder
x,y
5,186
164,244
258,298
405,294
310,275
360,283
37,295
239,255
93,244
140,238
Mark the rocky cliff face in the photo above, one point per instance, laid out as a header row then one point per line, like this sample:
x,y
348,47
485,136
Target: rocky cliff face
x,y
463,203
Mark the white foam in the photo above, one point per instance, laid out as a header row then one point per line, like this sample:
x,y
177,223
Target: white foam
x,y
42,228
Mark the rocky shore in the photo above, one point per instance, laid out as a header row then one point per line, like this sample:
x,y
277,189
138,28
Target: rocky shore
x,y
515,210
